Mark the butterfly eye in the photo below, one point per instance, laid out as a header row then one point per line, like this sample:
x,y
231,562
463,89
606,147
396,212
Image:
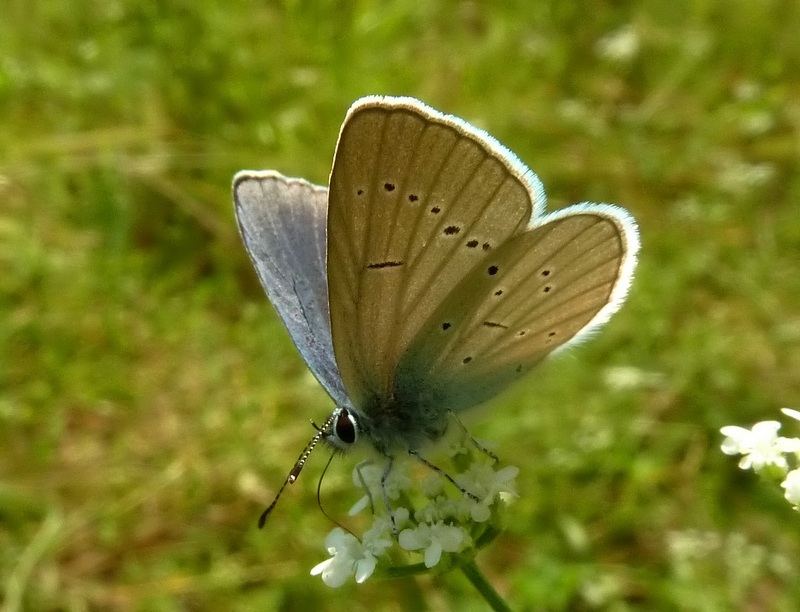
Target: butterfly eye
x,y
345,430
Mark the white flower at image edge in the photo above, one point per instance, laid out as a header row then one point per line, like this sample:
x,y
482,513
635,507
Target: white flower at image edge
x,y
435,539
760,445
791,485
791,413
349,557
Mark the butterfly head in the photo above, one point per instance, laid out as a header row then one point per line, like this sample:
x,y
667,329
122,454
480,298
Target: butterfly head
x,y
343,431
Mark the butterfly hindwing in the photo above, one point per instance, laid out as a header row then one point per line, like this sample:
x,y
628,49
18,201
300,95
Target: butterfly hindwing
x,y
538,292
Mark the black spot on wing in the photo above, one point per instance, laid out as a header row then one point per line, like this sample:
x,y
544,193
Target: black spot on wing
x,y
384,264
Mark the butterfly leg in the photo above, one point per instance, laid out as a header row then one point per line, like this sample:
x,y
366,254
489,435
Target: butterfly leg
x,y
364,484
441,472
473,441
384,476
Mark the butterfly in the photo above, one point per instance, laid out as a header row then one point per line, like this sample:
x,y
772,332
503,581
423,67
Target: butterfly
x,y
427,277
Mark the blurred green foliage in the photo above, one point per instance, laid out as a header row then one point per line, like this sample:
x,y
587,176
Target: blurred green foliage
x,y
151,403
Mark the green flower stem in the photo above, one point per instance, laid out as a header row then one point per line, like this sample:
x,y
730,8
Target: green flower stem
x,y
478,580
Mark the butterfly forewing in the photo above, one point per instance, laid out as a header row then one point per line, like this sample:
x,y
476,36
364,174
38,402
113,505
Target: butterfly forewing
x,y
416,200
283,226
535,293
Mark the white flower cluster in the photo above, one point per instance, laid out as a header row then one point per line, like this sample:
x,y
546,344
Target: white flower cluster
x,y
447,521
763,449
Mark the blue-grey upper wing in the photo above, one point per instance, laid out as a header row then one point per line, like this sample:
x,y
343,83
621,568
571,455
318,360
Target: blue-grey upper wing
x,y
283,222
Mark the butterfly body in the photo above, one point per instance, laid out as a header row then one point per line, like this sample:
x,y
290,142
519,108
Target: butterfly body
x,y
399,422
427,277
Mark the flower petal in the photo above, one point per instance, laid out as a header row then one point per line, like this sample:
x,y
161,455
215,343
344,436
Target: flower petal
x,y
433,554
365,567
321,567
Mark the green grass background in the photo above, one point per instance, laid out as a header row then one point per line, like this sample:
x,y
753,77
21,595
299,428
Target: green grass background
x,y
151,403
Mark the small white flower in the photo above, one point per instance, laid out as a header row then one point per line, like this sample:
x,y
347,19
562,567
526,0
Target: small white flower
x,y
791,485
791,413
789,445
461,446
482,480
435,539
369,475
380,536
349,557
432,486
442,508
479,511
760,445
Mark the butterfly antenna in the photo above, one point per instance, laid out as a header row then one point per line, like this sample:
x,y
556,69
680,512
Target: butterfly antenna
x,y
441,472
298,465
